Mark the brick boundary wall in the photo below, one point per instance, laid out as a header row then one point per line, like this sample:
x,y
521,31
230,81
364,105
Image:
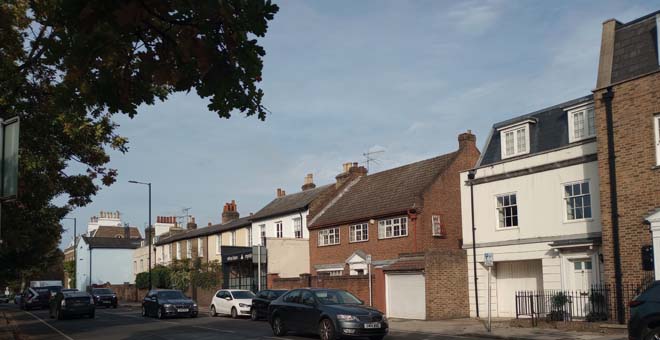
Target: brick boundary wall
x,y
446,284
357,285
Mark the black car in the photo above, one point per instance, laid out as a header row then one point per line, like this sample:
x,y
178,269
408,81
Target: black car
x,y
38,297
104,297
331,313
72,303
644,320
168,302
260,303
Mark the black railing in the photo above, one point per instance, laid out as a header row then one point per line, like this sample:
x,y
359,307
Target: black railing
x,y
597,304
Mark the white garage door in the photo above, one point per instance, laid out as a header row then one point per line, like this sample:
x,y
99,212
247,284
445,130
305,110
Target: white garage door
x,y
406,296
516,276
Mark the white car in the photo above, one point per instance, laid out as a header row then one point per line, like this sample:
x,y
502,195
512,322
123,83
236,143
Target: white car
x,y
234,302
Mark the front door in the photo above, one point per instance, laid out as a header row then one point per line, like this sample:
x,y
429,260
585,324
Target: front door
x,y
580,280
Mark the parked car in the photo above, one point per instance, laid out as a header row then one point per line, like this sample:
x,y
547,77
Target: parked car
x,y
164,303
70,290
38,297
104,297
261,301
4,298
330,313
17,298
234,302
644,320
72,303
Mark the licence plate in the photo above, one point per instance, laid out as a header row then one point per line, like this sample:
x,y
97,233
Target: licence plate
x,y
106,302
372,325
182,310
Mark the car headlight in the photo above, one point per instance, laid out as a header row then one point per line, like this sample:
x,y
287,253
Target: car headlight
x,y
384,318
167,305
63,303
97,297
345,317
242,305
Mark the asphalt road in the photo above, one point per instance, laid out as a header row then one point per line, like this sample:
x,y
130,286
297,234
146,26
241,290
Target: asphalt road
x,y
127,323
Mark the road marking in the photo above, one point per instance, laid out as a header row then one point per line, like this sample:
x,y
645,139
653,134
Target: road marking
x,y
213,329
49,326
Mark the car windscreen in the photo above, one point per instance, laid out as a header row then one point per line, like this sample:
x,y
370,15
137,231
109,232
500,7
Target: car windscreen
x,y
336,297
239,295
102,291
171,295
278,293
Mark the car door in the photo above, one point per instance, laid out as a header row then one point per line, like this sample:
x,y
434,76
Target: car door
x,y
150,303
260,303
289,309
307,312
215,301
225,306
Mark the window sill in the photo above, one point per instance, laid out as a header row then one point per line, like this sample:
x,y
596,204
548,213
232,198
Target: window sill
x,y
579,220
358,241
327,245
391,237
507,228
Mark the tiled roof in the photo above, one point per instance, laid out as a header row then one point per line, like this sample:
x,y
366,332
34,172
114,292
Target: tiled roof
x,y
549,131
111,242
289,203
636,48
107,231
200,232
386,192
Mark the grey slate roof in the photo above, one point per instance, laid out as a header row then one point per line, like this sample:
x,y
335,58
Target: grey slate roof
x,y
386,192
635,48
550,131
289,203
205,231
111,242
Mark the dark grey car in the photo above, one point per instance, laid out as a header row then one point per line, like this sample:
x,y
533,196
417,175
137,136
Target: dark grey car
x,y
330,313
644,320
163,303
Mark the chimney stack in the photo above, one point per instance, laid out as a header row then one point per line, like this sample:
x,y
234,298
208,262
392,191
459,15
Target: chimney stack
x,y
192,225
309,182
467,139
210,224
280,193
351,171
229,212
127,231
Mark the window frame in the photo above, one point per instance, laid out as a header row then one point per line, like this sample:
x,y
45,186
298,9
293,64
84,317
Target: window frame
x,y
249,236
656,128
189,249
178,250
200,247
383,235
297,227
565,201
514,129
497,212
321,237
279,229
352,232
441,227
571,113
232,238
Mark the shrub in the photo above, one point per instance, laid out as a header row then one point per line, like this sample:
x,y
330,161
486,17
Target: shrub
x,y
142,280
161,277
180,280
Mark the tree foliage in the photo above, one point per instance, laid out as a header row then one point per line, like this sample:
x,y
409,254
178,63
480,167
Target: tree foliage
x,y
70,270
67,67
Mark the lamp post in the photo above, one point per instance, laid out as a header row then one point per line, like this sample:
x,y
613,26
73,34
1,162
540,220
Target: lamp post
x,y
75,247
150,231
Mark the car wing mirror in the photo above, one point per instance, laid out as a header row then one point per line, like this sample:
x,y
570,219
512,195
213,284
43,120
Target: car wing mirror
x,y
228,298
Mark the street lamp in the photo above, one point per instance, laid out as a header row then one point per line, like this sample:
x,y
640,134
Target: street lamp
x,y
150,231
75,247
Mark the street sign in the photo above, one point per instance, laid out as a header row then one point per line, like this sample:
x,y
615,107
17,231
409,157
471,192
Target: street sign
x,y
259,254
488,259
9,165
368,259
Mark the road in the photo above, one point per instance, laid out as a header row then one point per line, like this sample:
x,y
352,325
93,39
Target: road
x,y
127,323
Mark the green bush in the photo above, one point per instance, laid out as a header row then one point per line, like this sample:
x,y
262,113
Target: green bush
x,y
180,280
206,279
161,277
142,280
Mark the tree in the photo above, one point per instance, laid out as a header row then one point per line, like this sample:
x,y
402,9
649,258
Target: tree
x,y
68,67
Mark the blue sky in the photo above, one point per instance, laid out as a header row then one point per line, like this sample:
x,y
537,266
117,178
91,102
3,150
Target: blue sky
x,y
345,77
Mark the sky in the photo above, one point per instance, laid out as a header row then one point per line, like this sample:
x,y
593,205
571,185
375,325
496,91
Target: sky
x,y
346,77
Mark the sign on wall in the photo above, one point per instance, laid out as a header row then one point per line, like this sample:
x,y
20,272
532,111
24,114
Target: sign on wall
x,y
488,259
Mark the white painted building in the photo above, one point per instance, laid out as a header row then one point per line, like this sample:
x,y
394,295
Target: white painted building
x,y
536,207
104,219
104,259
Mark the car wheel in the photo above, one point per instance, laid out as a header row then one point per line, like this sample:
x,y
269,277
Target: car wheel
x,y
193,315
234,313
326,330
59,315
212,312
253,315
651,334
278,327
159,314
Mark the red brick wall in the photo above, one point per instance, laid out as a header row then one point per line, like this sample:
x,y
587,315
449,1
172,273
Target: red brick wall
x,y
638,180
446,284
357,285
128,293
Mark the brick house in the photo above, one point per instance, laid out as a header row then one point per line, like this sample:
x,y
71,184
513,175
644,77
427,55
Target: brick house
x,y
627,105
407,220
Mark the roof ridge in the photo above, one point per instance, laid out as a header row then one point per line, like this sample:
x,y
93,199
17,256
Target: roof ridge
x,y
453,153
567,103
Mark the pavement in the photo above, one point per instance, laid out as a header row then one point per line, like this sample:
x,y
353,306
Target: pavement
x,y
126,322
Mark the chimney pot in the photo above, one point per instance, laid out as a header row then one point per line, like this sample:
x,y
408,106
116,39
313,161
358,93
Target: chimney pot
x,y
280,193
209,224
309,182
467,139
229,212
351,170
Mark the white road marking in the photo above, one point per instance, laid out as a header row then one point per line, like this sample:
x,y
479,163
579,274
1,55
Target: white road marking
x,y
49,326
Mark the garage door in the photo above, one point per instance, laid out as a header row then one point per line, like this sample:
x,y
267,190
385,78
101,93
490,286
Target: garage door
x,y
406,296
516,276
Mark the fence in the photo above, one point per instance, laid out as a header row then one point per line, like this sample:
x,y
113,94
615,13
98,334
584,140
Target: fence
x,y
598,304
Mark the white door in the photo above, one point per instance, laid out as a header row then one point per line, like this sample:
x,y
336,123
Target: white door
x,y
406,296
515,276
582,277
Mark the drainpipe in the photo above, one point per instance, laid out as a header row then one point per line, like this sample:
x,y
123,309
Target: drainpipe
x,y
471,176
90,268
614,209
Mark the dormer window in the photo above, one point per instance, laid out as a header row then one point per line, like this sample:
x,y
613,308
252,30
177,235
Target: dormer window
x,y
515,140
581,123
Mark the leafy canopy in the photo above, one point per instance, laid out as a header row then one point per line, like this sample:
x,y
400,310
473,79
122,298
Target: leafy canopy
x,y
67,67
